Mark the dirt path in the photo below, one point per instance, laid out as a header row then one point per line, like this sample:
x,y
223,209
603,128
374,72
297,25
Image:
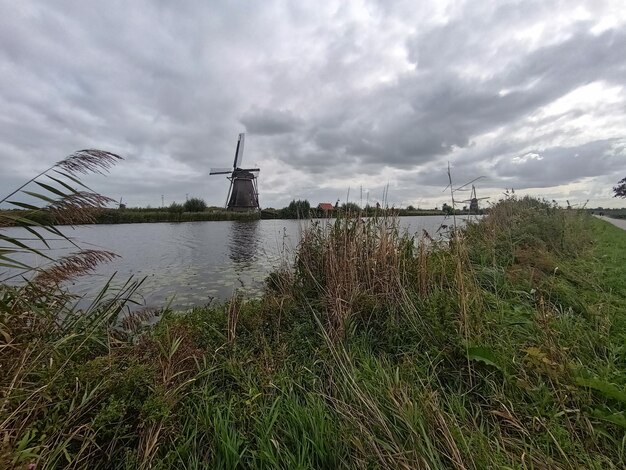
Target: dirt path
x,y
621,223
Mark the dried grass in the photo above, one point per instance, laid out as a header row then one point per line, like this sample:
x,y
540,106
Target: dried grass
x,y
88,161
351,258
72,266
78,208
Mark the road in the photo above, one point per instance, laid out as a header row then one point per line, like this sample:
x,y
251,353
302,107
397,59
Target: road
x,y
621,223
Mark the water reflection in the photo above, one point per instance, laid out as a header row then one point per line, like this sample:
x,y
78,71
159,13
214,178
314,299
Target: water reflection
x,y
243,243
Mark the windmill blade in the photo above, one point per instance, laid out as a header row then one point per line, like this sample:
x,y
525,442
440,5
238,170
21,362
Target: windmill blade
x,y
239,151
220,171
251,170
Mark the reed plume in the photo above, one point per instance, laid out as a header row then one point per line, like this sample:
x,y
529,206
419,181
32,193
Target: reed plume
x,y
58,200
88,161
78,208
72,266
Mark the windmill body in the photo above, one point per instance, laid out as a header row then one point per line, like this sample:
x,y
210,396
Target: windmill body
x,y
243,194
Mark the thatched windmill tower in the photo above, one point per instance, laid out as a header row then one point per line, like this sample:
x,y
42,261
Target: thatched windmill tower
x,y
243,194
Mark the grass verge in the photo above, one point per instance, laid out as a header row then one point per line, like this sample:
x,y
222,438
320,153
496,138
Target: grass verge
x,y
501,347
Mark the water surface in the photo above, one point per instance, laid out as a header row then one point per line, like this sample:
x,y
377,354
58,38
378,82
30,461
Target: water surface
x,y
192,263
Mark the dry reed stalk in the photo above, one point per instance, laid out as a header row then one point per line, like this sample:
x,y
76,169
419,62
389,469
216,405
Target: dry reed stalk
x,y
423,277
234,308
149,444
80,162
352,259
78,208
72,266
447,443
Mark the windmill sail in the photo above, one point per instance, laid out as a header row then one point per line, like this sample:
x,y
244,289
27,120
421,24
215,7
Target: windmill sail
x,y
220,171
239,151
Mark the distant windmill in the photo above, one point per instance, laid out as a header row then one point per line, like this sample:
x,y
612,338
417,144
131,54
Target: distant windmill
x,y
473,200
242,194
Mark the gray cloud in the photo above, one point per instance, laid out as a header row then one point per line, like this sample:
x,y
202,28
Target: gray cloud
x,y
270,121
430,113
561,165
332,95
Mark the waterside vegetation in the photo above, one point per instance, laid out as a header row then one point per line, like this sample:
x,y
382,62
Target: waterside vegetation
x,y
196,210
104,215
502,346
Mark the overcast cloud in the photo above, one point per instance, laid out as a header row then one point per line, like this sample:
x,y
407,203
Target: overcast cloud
x,y
333,95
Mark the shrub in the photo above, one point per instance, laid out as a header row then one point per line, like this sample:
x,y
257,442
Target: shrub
x,y
299,209
195,205
350,207
176,208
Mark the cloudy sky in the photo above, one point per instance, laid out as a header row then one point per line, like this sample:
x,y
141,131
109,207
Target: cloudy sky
x,y
335,96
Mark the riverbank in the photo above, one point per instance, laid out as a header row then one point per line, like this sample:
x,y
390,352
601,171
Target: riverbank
x,y
164,215
132,216
501,348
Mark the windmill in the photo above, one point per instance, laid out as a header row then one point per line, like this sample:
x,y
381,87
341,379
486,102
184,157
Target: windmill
x,y
473,200
242,194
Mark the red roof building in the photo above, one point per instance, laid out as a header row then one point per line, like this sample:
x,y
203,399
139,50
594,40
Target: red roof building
x,y
326,206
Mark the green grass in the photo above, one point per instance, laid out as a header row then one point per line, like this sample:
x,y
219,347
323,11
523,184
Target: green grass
x,y
502,348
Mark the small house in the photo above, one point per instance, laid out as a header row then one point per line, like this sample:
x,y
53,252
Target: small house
x,y
325,206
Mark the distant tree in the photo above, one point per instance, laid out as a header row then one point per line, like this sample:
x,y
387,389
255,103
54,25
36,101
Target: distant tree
x,y
350,207
176,208
299,209
447,208
194,205
410,208
620,189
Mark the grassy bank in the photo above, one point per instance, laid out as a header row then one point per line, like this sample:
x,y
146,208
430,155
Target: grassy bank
x,y
142,215
128,216
503,347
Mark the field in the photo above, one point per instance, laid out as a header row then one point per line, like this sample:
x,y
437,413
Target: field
x,y
502,347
